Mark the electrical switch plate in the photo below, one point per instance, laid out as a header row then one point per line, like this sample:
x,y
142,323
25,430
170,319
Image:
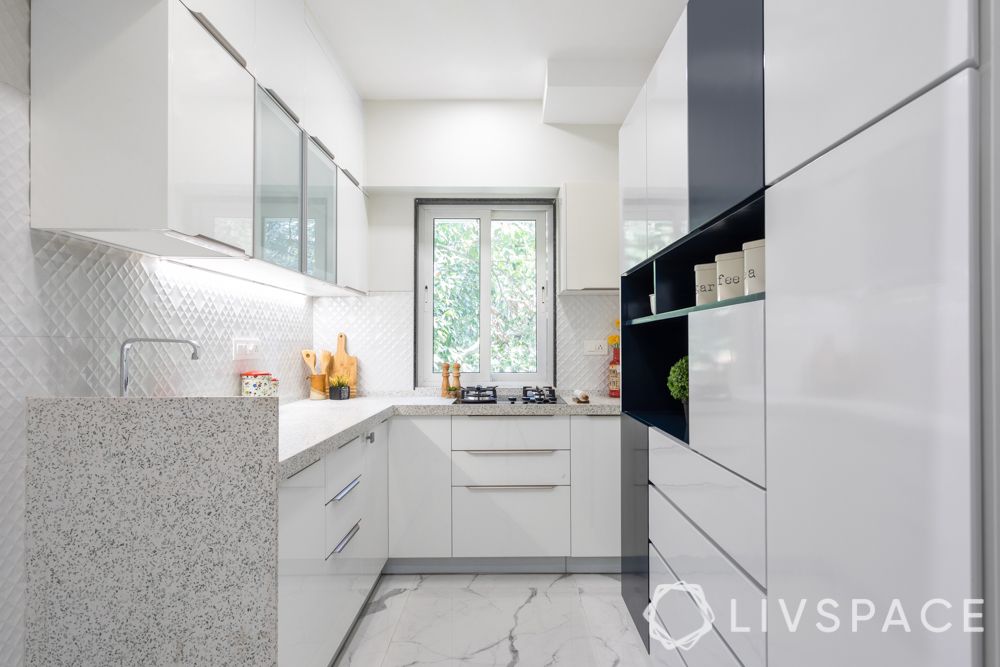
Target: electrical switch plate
x,y
595,348
246,348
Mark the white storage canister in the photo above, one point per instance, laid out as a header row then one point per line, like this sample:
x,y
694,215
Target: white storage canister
x,y
729,270
753,267
704,283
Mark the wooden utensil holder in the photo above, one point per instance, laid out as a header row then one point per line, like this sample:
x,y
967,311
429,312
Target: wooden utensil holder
x,y
318,388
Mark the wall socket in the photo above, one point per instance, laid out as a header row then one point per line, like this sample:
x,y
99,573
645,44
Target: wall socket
x,y
595,348
246,348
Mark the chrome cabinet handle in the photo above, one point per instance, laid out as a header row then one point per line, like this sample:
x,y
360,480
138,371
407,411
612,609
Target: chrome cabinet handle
x,y
281,103
320,145
370,437
511,487
508,451
344,542
346,490
223,42
347,443
303,469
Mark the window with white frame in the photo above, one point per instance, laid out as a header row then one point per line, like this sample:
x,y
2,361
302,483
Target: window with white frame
x,y
483,293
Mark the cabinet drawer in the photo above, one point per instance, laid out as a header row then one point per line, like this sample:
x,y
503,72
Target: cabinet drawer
x,y
724,506
500,432
680,616
727,387
309,475
343,465
695,560
509,467
344,510
510,521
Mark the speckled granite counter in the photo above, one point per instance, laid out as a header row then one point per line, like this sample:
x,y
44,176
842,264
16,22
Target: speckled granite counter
x,y
311,429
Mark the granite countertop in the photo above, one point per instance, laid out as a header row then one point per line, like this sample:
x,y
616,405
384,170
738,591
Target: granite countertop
x,y
308,430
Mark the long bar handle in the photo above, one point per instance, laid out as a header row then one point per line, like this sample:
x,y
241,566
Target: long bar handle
x,y
223,42
344,542
346,490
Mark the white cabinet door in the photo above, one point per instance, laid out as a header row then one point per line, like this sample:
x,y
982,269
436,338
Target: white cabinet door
x,y
352,235
376,516
420,487
235,22
300,515
210,133
632,183
872,448
588,236
726,347
541,432
596,486
281,51
667,143
832,67
511,521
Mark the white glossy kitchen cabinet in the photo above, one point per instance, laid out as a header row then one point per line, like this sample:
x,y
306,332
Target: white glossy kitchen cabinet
x,y
667,143
873,456
352,235
632,184
375,539
282,51
234,20
885,52
154,90
726,387
301,498
725,507
511,521
504,466
596,486
535,432
420,487
694,559
588,237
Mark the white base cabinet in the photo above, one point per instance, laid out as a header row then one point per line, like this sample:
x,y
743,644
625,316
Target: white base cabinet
x,y
510,521
420,487
596,486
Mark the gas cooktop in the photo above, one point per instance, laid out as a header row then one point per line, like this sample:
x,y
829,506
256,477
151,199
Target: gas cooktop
x,y
480,395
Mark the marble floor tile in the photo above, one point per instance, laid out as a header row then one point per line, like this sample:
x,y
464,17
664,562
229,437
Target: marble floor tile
x,y
507,620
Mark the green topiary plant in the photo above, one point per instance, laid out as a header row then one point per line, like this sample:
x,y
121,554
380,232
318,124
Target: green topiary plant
x,y
677,381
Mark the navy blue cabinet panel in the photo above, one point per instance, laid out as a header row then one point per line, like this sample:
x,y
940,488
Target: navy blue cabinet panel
x,y
635,521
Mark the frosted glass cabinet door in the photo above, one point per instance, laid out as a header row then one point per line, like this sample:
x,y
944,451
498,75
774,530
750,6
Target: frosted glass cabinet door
x,y
632,183
667,143
872,453
210,137
321,214
278,231
726,402
832,67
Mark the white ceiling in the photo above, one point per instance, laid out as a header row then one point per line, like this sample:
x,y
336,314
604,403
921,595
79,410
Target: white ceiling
x,y
484,49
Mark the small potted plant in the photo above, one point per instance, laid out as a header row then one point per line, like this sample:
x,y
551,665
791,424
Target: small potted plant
x,y
677,384
340,389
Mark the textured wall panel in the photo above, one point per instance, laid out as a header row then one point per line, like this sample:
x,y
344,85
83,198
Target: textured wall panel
x,y
581,317
379,332
14,43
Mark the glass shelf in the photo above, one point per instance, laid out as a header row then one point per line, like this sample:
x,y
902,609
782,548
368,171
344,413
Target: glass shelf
x,y
681,312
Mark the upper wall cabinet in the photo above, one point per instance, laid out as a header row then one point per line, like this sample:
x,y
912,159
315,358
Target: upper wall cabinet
x,y
352,235
833,67
667,143
142,129
632,183
233,21
725,105
588,237
282,53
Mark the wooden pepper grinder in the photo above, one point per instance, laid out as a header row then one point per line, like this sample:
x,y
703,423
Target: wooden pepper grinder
x,y
444,379
456,378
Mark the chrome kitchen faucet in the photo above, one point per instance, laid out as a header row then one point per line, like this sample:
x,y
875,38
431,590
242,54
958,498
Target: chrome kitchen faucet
x,y
129,342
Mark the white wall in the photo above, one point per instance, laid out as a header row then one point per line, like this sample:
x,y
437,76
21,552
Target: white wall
x,y
477,144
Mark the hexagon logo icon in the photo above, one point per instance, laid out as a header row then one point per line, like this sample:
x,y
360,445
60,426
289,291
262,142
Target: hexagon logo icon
x,y
660,634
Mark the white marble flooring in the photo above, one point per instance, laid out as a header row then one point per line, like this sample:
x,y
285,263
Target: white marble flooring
x,y
496,619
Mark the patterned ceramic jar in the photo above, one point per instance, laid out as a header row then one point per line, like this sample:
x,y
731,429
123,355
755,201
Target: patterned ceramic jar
x,y
258,384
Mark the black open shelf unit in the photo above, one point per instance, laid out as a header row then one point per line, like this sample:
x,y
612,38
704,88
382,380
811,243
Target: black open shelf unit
x,y
652,343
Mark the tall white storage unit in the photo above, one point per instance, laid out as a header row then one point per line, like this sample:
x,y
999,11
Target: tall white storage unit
x,y
872,320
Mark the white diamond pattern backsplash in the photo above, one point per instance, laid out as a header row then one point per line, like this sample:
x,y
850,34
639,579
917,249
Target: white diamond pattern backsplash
x,y
380,331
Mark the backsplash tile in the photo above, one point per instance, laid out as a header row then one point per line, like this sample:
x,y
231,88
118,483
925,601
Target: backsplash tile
x,y
581,317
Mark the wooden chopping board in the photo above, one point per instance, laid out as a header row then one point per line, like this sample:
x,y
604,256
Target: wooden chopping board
x,y
345,365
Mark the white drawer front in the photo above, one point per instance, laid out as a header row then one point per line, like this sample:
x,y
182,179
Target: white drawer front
x,y
727,387
510,522
726,507
310,475
680,616
695,560
343,465
501,432
342,514
510,467
300,523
